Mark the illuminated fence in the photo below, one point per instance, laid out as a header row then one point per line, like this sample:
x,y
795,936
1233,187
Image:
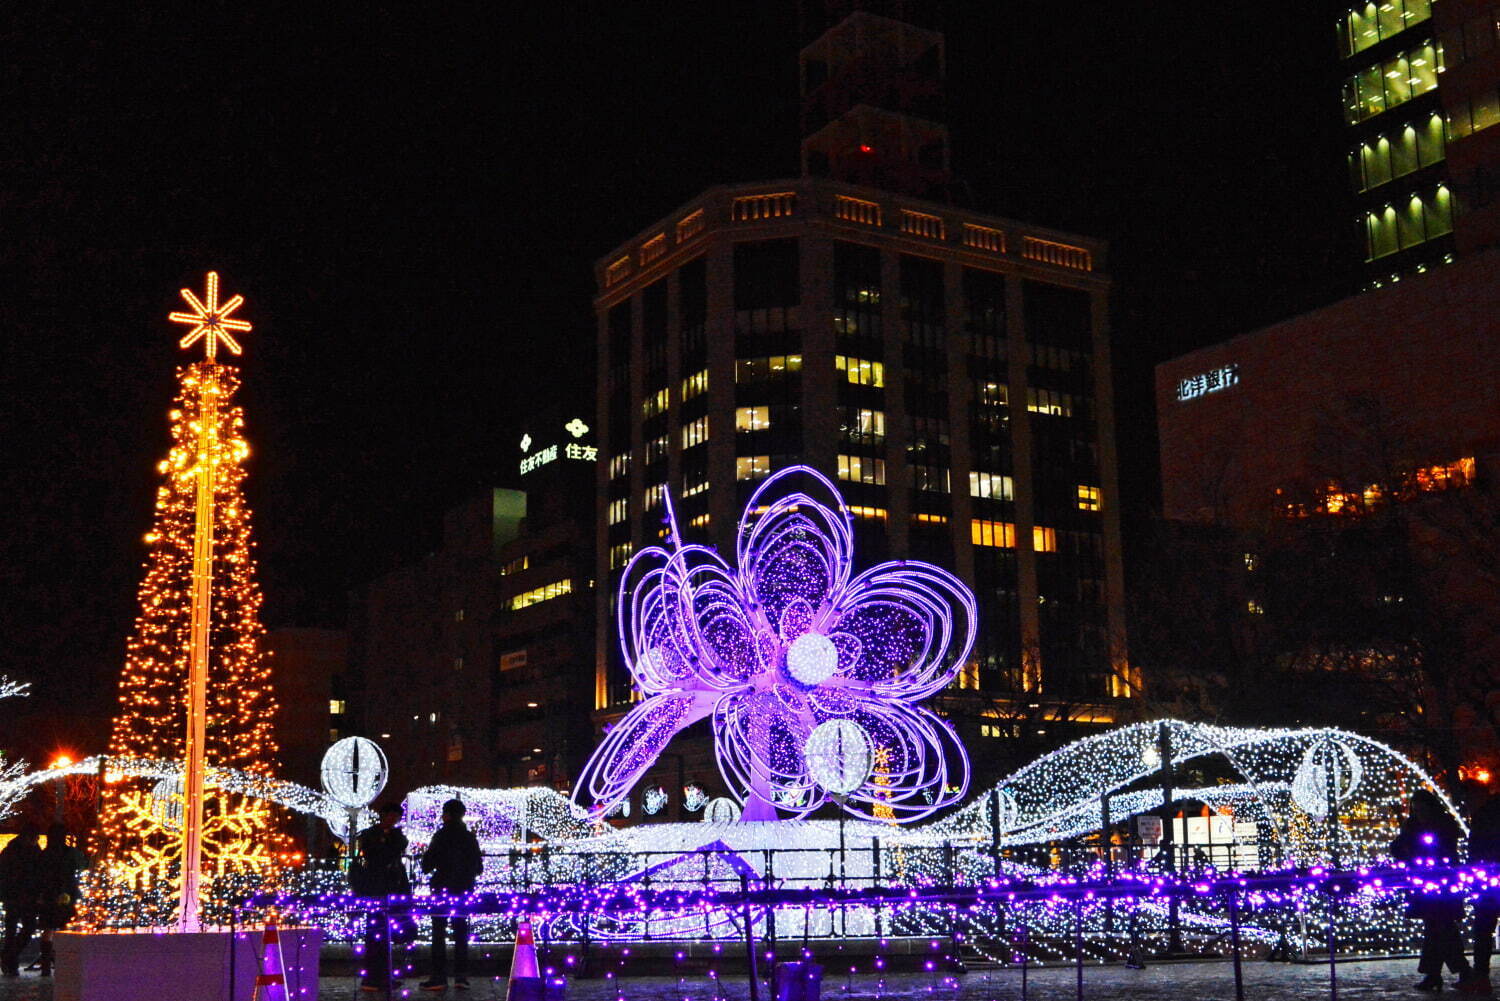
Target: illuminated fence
x,y
923,224
1062,254
984,238
654,249
752,208
856,210
691,225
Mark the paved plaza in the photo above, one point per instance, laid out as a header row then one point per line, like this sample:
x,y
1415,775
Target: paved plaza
x,y
1201,981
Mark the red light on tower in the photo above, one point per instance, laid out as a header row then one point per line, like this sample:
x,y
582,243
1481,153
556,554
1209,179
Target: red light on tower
x,y
866,148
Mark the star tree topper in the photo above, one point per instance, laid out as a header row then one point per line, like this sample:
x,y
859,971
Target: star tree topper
x,y
210,321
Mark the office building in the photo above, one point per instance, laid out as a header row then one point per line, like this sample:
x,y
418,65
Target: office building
x,y
950,369
1421,90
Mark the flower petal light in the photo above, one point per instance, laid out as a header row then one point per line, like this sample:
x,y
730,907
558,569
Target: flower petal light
x,y
774,649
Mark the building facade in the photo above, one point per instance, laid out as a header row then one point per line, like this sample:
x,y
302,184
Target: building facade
x,y
544,621
949,369
1421,90
425,651
1308,415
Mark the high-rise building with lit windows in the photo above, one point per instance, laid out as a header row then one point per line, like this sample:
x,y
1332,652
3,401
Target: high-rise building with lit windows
x,y
1421,90
950,369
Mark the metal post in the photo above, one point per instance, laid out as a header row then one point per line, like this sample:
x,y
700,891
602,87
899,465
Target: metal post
x,y
1234,944
1333,963
750,940
1078,943
1109,860
996,834
875,881
1025,959
1174,913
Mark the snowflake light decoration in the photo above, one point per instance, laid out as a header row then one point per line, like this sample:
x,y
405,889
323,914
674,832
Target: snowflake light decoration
x,y
781,645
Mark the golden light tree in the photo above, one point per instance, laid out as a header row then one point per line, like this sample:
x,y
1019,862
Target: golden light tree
x,y
196,687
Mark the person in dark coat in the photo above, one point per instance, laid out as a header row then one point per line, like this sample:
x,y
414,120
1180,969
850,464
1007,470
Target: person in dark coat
x,y
454,862
1484,848
19,868
1430,835
379,871
57,896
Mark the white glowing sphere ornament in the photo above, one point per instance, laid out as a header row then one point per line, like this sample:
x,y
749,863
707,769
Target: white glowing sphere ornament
x,y
721,811
354,771
812,658
839,755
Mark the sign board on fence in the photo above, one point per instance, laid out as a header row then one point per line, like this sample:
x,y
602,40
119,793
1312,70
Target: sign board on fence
x,y
1148,829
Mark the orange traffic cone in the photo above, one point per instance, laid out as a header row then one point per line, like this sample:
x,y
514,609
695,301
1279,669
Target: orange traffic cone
x,y
526,982
270,982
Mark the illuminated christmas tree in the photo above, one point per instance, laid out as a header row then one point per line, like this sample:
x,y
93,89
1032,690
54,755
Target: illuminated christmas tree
x,y
197,654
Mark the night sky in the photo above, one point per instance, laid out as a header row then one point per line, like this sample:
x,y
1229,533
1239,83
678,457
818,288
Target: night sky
x,y
411,202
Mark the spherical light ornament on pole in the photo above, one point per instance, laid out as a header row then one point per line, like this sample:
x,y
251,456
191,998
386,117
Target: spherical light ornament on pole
x,y
839,755
812,658
721,811
166,802
354,771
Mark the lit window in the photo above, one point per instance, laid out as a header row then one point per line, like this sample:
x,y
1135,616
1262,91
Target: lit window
x,y
760,369
654,495
458,663
515,566
932,478
337,707
619,555
994,394
752,467
619,465
1252,562
752,418
991,485
1043,540
536,595
999,534
458,616
1049,401
695,432
861,469
695,384
968,676
1254,607
655,403
701,521
619,510
1088,498
868,513
924,518
694,484
656,448
860,371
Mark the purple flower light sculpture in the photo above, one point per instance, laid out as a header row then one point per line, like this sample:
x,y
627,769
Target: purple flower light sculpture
x,y
811,675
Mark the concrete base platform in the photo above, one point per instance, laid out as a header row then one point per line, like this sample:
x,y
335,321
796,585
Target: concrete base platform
x,y
172,966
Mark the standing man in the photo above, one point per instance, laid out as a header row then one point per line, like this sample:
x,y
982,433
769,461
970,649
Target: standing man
x,y
379,871
1431,835
454,861
1484,848
19,886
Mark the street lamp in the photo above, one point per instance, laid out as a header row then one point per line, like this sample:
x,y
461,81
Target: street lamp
x,y
60,791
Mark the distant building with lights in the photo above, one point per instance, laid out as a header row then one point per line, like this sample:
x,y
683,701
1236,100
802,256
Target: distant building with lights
x,y
544,620
951,369
1421,92
1280,422
476,664
424,650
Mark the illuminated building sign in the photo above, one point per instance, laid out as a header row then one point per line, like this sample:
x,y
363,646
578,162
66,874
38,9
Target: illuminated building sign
x,y
541,458
572,450
1204,383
